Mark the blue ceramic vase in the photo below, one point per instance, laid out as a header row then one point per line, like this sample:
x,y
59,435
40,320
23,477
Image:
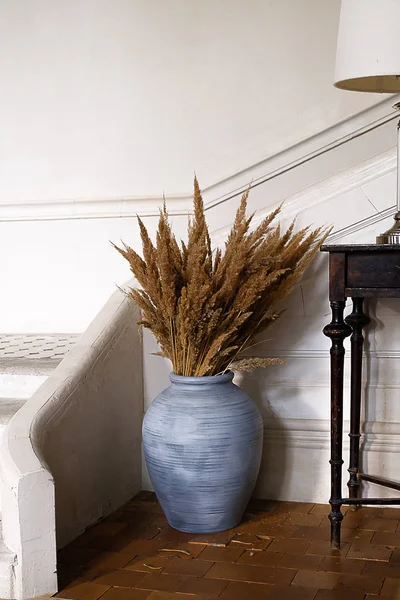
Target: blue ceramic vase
x,y
202,439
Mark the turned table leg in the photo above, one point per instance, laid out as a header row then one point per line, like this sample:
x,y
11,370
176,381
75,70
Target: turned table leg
x,y
337,331
357,320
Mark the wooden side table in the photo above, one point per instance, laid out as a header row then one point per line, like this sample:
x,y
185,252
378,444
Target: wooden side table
x,y
357,272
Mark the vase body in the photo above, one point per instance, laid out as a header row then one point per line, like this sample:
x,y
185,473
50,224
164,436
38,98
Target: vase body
x,y
202,439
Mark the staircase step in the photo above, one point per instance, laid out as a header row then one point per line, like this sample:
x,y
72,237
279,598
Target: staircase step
x,y
26,360
36,350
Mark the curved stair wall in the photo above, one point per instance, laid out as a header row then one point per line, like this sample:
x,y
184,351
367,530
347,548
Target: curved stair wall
x,y
71,455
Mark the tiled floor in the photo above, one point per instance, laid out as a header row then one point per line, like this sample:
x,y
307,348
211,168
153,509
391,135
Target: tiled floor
x,y
280,552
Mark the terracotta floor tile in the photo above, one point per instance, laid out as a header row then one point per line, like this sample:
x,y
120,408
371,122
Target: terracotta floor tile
x,y
267,559
341,565
85,591
302,561
101,531
216,554
325,509
148,532
161,582
76,556
305,520
195,567
259,505
105,528
249,525
395,558
262,523
381,569
160,521
194,550
325,549
391,589
202,587
257,591
311,533
281,551
289,546
214,539
121,541
356,535
133,518
274,518
369,552
120,578
339,595
66,574
352,518
250,573
125,594
384,538
321,509
383,512
250,541
295,507
320,534
331,581
103,563
277,531
145,547
148,564
170,596
168,534
378,524
389,513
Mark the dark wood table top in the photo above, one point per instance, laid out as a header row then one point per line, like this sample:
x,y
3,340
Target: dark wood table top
x,y
360,247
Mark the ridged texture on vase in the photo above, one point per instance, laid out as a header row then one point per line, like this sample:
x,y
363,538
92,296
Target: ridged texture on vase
x,y
202,440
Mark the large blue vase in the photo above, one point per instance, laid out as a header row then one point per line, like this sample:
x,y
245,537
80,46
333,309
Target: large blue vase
x,y
202,440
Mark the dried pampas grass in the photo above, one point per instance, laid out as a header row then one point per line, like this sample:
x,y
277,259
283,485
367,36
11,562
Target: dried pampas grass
x,y
204,307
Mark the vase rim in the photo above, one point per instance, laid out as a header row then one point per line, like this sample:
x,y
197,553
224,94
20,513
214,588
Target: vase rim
x,y
202,379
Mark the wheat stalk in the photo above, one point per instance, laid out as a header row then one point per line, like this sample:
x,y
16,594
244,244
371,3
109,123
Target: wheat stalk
x,y
205,307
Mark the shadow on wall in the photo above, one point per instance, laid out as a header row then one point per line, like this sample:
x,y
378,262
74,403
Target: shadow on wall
x,y
294,398
285,472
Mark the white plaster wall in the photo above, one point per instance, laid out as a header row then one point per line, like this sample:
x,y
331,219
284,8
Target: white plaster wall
x,y
58,274
58,267
105,98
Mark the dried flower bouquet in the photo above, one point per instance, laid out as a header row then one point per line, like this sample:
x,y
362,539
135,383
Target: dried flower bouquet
x,y
204,306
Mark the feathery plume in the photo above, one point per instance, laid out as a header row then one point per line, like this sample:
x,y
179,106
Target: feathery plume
x,y
205,307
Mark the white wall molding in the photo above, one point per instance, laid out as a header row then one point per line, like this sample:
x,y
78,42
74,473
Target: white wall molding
x,y
345,232
377,436
306,150
296,453
324,354
108,208
328,190
223,191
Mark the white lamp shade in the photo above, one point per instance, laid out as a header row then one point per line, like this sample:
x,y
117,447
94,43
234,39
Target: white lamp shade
x,y
368,47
